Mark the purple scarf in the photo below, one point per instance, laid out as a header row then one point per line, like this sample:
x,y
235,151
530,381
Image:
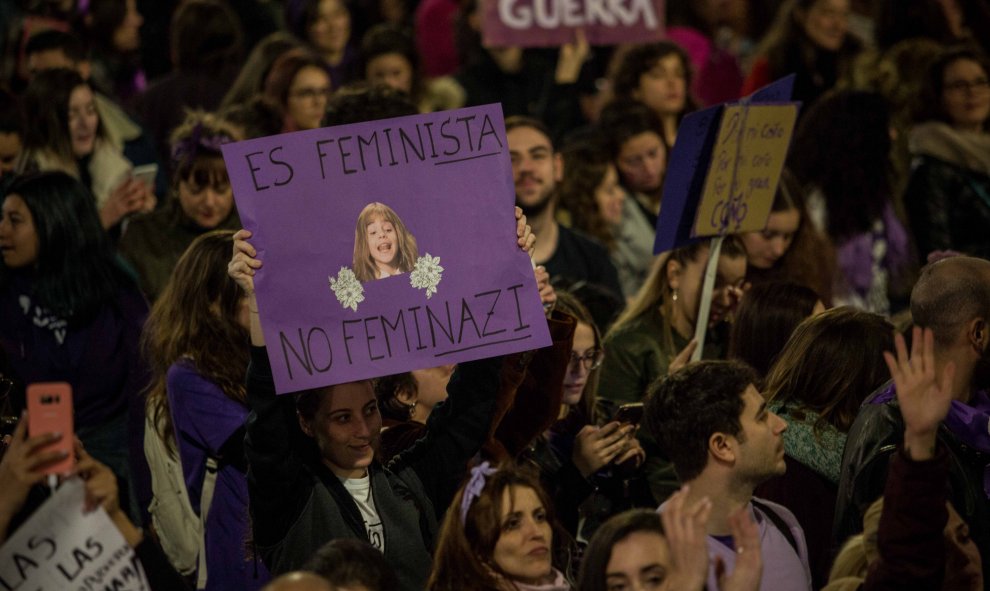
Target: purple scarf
x,y
970,423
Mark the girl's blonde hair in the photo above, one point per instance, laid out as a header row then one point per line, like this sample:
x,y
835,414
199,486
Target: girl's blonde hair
x,y
406,250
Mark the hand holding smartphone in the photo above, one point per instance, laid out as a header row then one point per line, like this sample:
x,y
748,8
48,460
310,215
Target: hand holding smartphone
x,y
629,414
50,411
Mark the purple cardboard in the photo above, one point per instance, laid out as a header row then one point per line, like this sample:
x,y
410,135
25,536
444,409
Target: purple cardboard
x,y
778,91
685,178
689,163
447,179
551,23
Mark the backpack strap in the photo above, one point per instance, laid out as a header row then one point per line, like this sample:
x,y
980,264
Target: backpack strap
x,y
778,522
205,500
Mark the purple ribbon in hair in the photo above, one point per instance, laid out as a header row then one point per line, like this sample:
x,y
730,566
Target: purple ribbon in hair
x,y
188,148
474,486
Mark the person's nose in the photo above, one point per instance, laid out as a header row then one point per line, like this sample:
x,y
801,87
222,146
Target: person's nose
x,y
781,425
533,530
363,429
778,246
212,198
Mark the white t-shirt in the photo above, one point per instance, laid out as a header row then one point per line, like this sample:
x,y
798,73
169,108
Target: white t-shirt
x,y
360,490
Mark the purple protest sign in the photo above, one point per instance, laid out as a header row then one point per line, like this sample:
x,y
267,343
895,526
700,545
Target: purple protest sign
x,y
543,23
387,246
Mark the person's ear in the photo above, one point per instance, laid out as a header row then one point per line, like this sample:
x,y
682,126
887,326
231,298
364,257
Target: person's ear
x,y
721,447
407,396
305,425
673,272
978,334
558,167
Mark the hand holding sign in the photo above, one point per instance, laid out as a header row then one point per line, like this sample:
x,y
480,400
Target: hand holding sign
x,y
385,246
243,265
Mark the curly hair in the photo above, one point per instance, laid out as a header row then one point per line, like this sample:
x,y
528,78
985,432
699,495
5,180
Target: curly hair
x,y
685,408
842,147
630,65
585,167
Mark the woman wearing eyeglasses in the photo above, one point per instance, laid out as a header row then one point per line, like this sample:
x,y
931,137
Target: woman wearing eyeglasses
x,y
948,196
575,456
299,86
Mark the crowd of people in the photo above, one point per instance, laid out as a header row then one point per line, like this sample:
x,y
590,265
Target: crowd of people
x,y
833,436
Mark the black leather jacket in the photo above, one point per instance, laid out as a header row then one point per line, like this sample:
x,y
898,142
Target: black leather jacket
x,y
872,440
949,207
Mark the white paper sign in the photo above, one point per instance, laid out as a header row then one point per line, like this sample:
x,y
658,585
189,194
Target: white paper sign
x,y
61,547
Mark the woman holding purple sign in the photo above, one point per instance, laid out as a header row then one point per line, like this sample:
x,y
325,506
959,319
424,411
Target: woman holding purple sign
x,y
314,473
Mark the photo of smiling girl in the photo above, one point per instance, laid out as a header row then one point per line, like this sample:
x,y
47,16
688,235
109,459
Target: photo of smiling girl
x,y
382,245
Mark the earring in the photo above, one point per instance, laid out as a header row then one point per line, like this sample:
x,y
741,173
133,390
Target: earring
x,y
673,295
412,409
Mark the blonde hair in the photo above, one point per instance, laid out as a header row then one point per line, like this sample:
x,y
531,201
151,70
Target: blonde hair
x,y
406,250
656,289
859,551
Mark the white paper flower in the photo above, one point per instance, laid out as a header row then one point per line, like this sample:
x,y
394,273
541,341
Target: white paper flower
x,y
347,288
426,274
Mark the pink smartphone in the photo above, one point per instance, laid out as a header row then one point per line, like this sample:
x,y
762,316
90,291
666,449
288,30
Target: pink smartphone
x,y
49,408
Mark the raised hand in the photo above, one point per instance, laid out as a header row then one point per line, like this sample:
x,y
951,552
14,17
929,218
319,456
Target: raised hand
x,y
685,530
924,398
748,570
243,265
572,56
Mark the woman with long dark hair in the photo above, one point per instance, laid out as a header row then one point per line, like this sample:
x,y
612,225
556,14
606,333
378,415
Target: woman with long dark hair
x,y
196,342
498,536
831,363
841,156
67,134
69,312
810,38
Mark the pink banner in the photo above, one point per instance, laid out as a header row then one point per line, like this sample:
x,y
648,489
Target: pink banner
x,y
541,23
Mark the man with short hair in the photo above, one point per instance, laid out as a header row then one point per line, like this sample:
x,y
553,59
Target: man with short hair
x,y
536,170
51,49
952,298
714,425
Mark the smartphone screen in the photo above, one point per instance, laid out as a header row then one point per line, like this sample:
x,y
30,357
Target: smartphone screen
x,y
50,411
146,174
631,413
